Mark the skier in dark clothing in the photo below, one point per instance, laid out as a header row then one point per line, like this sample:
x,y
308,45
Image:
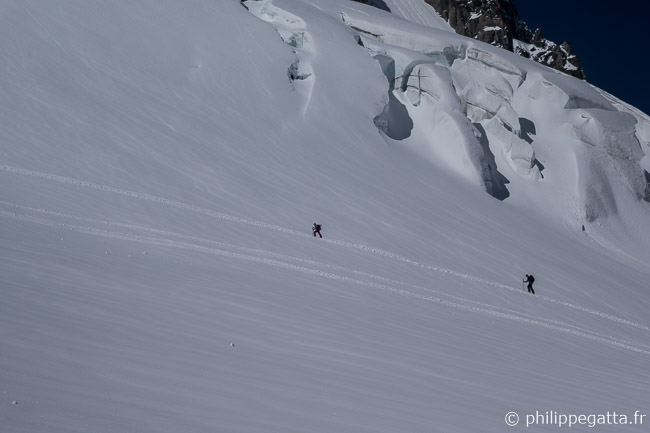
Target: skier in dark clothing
x,y
530,280
316,229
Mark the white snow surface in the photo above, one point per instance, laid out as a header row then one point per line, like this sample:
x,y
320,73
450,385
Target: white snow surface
x,y
419,12
163,162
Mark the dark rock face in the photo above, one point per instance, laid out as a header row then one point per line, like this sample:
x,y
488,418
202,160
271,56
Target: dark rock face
x,y
493,22
497,22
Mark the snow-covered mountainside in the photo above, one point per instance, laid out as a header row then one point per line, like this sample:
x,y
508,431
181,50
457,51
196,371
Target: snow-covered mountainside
x,y
163,162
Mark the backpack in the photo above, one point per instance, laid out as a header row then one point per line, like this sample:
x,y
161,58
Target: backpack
x,y
317,227
531,279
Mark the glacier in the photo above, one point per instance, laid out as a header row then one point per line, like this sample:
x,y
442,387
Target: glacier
x,y
162,164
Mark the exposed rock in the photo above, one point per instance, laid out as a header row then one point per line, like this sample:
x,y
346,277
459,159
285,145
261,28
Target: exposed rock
x,y
538,39
497,22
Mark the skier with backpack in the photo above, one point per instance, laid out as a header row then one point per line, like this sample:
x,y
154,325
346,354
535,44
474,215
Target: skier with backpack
x,y
530,280
316,229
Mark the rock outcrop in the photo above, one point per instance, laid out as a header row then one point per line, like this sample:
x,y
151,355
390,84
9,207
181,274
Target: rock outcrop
x,y
497,22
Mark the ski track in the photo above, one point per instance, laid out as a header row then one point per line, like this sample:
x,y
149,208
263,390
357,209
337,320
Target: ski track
x,y
345,244
266,253
271,254
483,309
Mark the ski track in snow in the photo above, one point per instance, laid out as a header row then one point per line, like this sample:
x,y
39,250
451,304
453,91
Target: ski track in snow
x,y
271,254
216,248
317,272
230,218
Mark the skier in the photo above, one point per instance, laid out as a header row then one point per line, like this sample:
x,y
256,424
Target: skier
x,y
316,229
530,280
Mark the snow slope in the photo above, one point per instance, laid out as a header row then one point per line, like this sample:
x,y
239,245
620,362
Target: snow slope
x,y
417,11
162,164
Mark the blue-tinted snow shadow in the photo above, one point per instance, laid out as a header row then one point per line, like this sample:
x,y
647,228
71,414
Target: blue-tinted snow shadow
x,y
527,128
495,182
399,123
379,4
395,120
